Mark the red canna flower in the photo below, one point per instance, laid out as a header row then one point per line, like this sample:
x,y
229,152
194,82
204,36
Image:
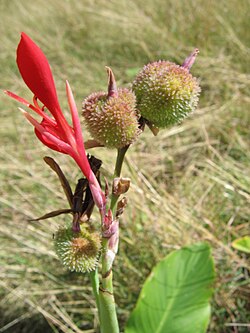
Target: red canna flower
x,y
54,130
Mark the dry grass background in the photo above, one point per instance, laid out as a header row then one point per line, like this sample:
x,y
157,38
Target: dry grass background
x,y
189,183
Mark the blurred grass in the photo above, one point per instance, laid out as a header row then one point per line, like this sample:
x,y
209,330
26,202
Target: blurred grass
x,y
189,183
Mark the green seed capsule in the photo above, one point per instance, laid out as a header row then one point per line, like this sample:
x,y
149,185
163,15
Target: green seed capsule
x,y
166,93
78,252
112,120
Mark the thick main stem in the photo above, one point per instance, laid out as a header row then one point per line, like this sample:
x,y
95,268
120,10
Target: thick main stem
x,y
108,316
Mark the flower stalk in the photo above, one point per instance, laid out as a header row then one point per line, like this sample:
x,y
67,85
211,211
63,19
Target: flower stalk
x,y
110,240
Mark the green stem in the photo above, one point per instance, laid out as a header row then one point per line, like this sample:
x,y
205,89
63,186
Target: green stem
x,y
94,278
109,322
117,173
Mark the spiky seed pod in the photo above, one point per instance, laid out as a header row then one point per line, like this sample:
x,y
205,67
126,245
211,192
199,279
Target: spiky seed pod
x,y
112,120
165,92
79,252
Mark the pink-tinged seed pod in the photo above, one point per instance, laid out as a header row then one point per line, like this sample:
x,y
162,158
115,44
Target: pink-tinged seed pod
x,y
79,251
111,117
166,93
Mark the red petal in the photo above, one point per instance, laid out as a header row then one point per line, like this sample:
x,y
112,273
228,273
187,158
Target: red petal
x,y
36,73
53,129
76,124
32,107
54,142
49,143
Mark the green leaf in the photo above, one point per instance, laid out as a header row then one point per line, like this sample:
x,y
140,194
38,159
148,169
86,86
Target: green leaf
x,y
175,297
242,244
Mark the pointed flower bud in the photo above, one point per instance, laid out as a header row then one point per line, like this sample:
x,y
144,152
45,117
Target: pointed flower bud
x,y
111,117
166,93
79,251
